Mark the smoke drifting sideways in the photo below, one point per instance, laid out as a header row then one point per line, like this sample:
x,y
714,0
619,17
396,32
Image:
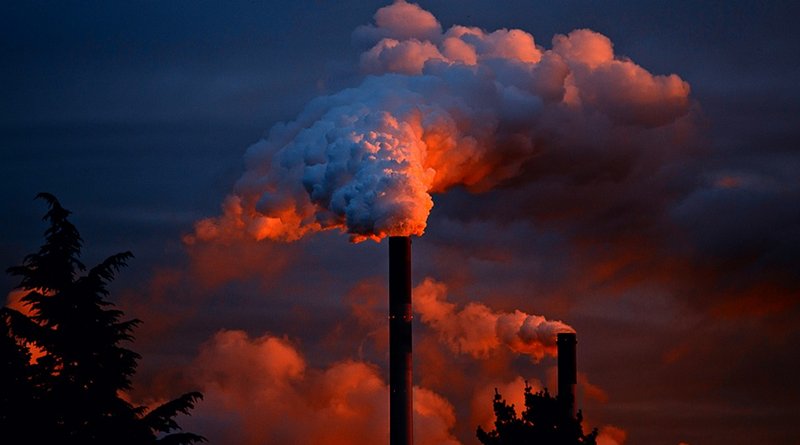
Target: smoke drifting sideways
x,y
436,110
478,330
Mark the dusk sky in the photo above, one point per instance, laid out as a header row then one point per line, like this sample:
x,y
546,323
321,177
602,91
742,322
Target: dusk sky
x,y
627,169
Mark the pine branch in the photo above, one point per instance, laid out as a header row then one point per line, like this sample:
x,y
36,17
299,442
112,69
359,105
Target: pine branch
x,y
161,418
23,327
181,439
105,271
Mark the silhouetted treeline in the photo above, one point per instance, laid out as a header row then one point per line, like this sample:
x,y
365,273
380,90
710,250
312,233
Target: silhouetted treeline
x,y
543,422
69,392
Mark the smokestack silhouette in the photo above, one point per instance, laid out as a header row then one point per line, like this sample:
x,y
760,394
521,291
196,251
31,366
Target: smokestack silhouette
x,y
567,370
400,364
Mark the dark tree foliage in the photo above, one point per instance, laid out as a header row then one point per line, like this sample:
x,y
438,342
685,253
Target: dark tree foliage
x,y
71,394
17,408
543,422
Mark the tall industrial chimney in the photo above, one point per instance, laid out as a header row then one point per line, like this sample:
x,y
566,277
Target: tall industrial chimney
x,y
567,371
400,364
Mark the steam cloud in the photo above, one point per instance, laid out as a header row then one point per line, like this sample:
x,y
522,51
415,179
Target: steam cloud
x,y
437,109
262,391
611,435
478,330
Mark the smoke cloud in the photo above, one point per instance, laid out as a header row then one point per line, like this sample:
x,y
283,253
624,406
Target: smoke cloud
x,y
477,330
611,435
262,391
437,109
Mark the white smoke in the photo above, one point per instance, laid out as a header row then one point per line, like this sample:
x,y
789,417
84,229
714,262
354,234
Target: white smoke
x,y
478,330
462,107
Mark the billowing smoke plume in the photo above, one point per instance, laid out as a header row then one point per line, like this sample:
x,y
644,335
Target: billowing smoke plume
x,y
437,109
478,330
262,391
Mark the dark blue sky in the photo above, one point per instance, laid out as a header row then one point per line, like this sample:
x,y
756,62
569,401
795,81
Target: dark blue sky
x,y
137,114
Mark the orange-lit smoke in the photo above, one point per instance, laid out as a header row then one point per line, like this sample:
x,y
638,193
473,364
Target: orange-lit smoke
x,y
438,109
611,435
477,330
262,391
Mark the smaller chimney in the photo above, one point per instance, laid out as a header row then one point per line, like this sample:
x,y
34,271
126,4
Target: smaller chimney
x,y
567,371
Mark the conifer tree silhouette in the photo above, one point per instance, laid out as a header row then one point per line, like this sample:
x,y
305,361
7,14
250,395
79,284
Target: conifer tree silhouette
x,y
543,422
17,380
73,389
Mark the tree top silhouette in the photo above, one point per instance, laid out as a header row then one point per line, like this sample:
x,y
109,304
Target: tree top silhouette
x,y
542,422
71,392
